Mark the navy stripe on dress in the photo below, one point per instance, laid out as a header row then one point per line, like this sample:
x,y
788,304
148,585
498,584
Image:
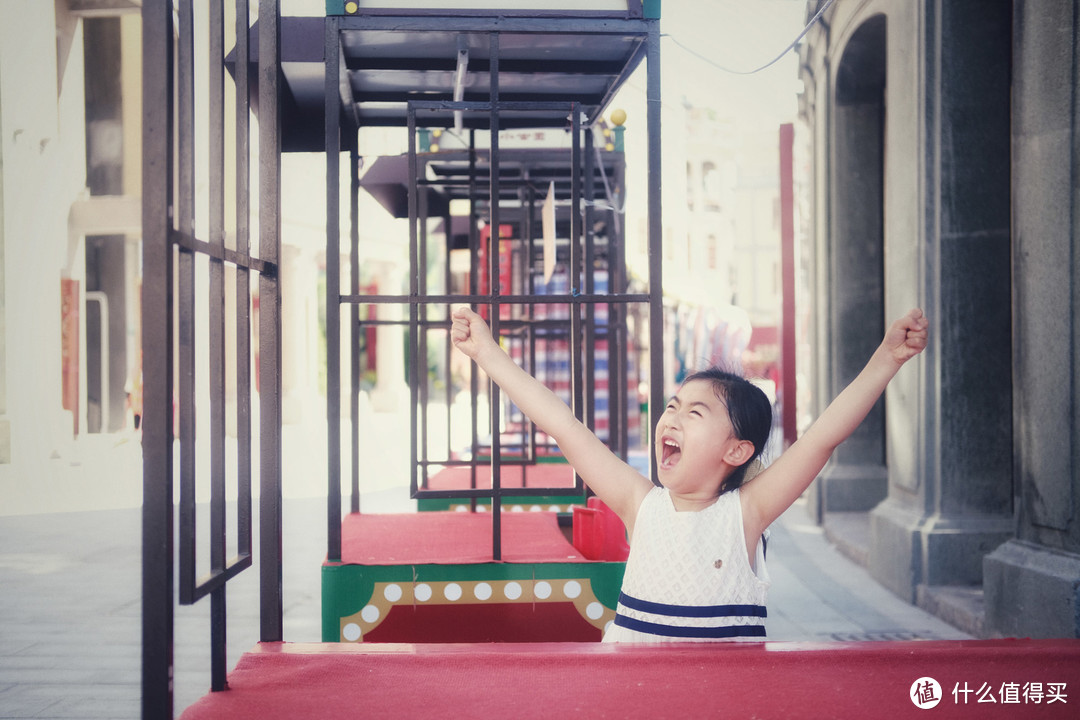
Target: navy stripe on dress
x,y
727,631
697,611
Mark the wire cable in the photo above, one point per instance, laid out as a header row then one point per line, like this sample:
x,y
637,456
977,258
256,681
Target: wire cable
x,y
766,65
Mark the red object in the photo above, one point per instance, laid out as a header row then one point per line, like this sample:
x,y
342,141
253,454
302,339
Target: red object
x,y
69,348
599,533
564,680
540,475
432,538
485,622
504,268
787,273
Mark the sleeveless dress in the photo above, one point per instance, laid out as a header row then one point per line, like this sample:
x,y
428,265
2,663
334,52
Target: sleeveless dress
x,y
688,578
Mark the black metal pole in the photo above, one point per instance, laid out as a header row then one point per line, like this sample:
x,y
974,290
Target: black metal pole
x,y
414,321
354,321
270,570
332,110
216,339
185,224
656,271
493,269
157,359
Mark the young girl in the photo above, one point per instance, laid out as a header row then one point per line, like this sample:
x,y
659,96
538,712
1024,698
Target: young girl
x,y
696,569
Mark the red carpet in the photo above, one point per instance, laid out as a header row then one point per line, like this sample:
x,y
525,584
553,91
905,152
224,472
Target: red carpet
x,y
442,538
556,475
549,680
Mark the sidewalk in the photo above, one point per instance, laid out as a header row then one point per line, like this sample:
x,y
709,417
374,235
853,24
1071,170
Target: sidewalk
x,y
70,607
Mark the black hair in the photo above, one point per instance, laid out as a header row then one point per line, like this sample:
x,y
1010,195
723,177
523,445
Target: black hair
x,y
748,409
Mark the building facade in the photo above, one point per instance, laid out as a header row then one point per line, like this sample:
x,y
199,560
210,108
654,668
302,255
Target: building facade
x,y
944,159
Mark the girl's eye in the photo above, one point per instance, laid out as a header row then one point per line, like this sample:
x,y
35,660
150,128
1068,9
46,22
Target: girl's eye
x,y
695,412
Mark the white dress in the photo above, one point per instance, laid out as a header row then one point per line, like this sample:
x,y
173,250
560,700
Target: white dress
x,y
688,577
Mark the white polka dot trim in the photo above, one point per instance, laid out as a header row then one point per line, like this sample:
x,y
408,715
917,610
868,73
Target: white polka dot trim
x,y
422,592
386,595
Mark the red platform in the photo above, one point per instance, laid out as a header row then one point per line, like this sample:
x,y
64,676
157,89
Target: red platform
x,y
432,577
540,475
451,538
553,680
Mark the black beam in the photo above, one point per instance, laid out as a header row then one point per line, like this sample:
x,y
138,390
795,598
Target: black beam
x,y
332,134
270,565
157,359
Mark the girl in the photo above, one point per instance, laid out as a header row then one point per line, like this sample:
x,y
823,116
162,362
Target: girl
x,y
696,568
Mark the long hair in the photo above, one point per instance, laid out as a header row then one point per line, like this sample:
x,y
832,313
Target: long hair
x,y
749,411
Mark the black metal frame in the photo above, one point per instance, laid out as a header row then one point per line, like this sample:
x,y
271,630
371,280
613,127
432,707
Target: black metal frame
x,y
170,269
169,339
342,119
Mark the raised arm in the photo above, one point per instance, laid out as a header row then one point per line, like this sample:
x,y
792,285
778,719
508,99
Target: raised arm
x,y
613,481
773,491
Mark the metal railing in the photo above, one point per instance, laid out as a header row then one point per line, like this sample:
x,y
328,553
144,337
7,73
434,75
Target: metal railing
x,y
181,261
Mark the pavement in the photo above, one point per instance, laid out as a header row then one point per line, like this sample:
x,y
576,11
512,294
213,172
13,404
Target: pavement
x,y
70,583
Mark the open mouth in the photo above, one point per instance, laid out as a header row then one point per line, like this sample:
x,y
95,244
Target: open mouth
x,y
669,452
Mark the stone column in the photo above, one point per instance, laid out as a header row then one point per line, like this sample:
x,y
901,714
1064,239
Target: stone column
x,y
1032,582
853,250
944,514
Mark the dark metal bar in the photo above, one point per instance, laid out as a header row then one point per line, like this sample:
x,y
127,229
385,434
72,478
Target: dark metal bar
x,y
589,364
243,283
530,288
446,22
656,299
332,128
186,241
354,317
216,340
576,374
494,247
488,107
157,362
422,316
414,329
633,11
448,343
216,579
474,264
616,85
185,219
270,569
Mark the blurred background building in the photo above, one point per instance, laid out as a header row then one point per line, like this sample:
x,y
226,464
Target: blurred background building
x,y
944,175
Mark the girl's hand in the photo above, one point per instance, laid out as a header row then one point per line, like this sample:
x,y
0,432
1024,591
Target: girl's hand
x,y
469,332
907,336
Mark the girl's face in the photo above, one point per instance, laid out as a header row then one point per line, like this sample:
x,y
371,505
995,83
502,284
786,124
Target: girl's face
x,y
693,436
